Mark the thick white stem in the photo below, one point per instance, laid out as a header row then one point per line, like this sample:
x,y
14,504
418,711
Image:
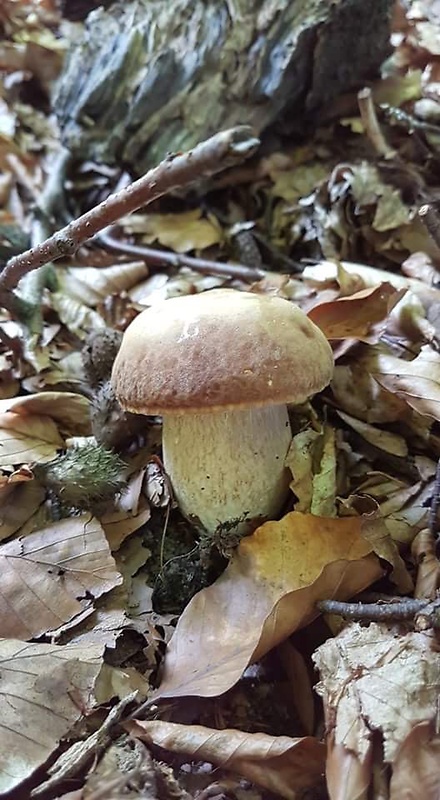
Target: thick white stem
x,y
228,463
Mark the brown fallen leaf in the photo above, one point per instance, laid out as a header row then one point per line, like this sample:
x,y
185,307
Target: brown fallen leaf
x,y
417,382
92,285
375,681
269,589
52,575
356,316
69,411
33,437
45,690
17,504
384,440
280,764
416,770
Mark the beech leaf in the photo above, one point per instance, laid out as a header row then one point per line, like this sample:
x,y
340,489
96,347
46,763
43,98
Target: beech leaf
x,y
53,574
417,382
269,589
278,763
44,689
353,317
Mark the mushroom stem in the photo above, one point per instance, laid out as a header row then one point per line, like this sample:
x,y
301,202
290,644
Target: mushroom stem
x,y
226,464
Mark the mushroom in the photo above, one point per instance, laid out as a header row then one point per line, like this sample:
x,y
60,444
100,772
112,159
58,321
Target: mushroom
x,y
220,367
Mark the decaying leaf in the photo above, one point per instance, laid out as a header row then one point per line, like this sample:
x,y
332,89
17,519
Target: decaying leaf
x,y
416,771
25,438
376,681
280,764
92,285
52,575
45,690
269,589
417,382
383,439
17,504
356,316
312,461
68,410
189,230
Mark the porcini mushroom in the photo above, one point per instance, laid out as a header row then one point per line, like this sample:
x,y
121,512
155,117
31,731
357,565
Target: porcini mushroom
x,y
220,367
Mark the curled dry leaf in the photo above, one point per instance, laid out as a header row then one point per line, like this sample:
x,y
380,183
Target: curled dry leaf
x,y
384,440
375,680
416,382
45,689
416,770
17,503
269,589
424,552
278,763
77,317
356,316
92,285
32,437
52,575
180,232
68,410
312,462
369,402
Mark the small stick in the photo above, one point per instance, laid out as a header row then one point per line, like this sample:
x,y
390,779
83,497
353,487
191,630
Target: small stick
x,y
434,511
221,151
156,257
407,608
371,124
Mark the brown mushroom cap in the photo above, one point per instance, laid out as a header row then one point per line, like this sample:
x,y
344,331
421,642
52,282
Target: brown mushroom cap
x,y
221,349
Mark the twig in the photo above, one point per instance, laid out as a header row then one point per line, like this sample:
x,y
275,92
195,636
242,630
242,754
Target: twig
x,y
156,257
434,511
431,220
70,763
407,608
371,124
221,151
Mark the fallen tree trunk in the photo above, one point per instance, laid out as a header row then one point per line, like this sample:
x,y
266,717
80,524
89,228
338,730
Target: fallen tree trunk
x,y
148,77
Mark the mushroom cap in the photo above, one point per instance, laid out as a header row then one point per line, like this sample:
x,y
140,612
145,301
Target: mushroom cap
x,y
221,349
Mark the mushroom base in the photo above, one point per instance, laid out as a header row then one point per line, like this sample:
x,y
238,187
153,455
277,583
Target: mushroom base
x,y
227,464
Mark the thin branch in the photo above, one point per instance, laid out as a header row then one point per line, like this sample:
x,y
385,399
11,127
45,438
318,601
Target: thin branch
x,y
225,149
407,608
160,258
371,124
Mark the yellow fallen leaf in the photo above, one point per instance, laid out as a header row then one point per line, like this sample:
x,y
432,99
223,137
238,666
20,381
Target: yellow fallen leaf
x,y
280,764
180,232
269,589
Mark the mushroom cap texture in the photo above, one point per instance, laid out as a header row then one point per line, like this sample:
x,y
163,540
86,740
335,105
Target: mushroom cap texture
x,y
221,349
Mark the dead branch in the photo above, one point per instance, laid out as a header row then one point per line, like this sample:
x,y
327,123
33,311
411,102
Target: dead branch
x,y
159,258
407,608
225,149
